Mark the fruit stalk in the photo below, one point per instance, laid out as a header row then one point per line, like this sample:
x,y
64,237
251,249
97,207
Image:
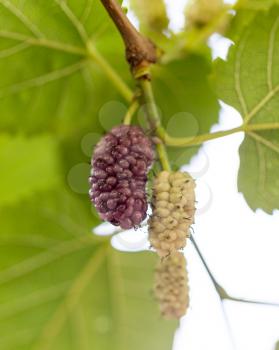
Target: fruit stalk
x,y
154,120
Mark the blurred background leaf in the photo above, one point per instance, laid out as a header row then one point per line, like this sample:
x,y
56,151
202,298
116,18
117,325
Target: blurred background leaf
x,y
256,4
63,288
152,16
28,165
46,70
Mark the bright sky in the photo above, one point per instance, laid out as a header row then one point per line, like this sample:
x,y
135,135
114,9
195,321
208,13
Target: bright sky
x,y
240,246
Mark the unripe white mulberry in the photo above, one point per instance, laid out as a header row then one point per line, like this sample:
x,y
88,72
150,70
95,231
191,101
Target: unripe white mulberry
x,y
171,286
173,206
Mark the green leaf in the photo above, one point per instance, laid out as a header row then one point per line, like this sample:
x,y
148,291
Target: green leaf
x,y
63,288
45,64
246,12
257,180
188,104
249,81
27,165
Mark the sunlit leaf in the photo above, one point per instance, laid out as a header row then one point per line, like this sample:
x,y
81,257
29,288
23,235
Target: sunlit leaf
x,y
62,288
49,79
249,81
27,165
191,107
256,4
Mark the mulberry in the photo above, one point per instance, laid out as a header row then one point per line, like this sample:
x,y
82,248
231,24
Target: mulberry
x,y
173,206
171,286
119,174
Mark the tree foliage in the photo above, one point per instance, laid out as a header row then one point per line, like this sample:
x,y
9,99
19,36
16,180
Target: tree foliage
x,y
249,82
61,62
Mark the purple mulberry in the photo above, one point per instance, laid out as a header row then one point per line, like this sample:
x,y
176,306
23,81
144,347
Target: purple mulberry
x,y
119,174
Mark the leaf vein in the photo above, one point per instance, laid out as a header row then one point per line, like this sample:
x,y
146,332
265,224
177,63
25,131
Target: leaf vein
x,y
13,50
237,74
25,20
73,19
86,11
35,262
53,327
28,240
270,53
262,167
37,298
262,103
264,141
43,42
42,79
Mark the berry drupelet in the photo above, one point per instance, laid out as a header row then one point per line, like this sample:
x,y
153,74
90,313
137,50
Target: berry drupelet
x,y
118,178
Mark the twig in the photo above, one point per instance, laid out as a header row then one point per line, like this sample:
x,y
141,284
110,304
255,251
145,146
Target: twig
x,y
220,290
140,51
154,120
255,302
129,33
199,139
228,325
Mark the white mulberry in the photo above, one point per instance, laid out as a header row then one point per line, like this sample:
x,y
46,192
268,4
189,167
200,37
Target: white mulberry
x,y
119,174
171,286
173,206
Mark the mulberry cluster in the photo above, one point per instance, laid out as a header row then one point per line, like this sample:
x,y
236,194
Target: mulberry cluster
x,y
171,286
119,174
173,205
